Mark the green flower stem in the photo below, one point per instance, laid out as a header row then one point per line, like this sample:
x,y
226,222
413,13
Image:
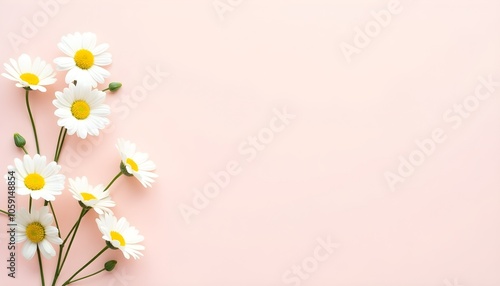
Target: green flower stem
x,y
85,277
40,264
71,233
32,121
49,203
59,234
84,266
24,149
31,202
59,257
55,217
56,273
60,143
112,181
82,214
4,212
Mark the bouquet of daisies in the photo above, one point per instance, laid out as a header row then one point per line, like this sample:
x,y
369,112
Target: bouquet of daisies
x,y
81,110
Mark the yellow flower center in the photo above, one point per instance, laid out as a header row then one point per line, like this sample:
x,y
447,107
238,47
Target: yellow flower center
x,y
34,182
31,79
132,164
116,236
84,59
35,232
88,197
80,109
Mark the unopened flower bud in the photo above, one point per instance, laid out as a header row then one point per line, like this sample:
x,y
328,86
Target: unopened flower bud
x,y
114,86
19,140
110,265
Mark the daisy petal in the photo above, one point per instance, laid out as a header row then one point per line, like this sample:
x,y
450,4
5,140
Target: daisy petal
x,y
27,73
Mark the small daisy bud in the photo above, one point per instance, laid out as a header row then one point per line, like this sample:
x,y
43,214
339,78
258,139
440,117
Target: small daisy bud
x,y
19,140
114,86
110,265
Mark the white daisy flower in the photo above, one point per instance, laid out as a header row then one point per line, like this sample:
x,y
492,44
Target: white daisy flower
x,y
120,235
30,74
36,230
136,164
37,178
94,197
85,59
81,110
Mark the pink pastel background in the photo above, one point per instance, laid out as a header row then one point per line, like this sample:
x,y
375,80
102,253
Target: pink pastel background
x,y
220,77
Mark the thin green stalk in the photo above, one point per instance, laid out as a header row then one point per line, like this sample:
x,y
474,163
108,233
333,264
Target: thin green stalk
x,y
56,273
24,149
59,149
31,202
4,212
82,214
70,232
55,218
32,121
41,267
112,181
61,248
58,143
90,275
84,266
59,234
